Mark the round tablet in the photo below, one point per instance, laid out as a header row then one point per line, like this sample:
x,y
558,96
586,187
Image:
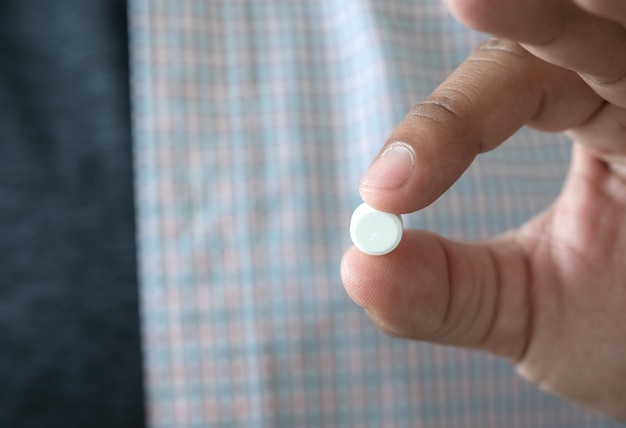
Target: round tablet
x,y
375,232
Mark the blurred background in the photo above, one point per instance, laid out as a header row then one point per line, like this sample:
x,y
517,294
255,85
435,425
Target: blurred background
x,y
176,184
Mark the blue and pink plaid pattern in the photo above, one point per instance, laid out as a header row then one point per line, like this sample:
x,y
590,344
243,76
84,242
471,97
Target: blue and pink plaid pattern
x,y
254,121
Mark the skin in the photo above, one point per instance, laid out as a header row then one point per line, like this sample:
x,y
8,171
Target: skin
x,y
551,295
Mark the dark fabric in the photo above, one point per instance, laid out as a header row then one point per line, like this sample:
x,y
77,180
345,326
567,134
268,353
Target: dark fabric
x,y
69,330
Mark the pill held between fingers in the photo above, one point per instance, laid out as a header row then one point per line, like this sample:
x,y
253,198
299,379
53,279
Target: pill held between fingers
x,y
375,232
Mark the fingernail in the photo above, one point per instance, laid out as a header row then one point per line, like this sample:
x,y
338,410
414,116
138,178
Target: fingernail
x,y
392,169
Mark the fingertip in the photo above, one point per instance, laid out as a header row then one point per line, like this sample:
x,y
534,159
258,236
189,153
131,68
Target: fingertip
x,y
409,176
397,201
390,177
405,288
367,279
393,168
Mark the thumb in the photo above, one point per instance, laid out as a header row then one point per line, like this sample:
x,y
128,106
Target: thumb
x,y
498,89
430,288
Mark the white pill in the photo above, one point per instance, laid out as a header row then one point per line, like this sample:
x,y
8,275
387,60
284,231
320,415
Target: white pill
x,y
375,232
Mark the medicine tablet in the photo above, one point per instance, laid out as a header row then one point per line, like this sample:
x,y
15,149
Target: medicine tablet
x,y
375,232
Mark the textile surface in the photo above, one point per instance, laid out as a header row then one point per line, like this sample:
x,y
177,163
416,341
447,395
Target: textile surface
x,y
253,122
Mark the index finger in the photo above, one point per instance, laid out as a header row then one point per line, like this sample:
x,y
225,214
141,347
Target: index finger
x,y
498,89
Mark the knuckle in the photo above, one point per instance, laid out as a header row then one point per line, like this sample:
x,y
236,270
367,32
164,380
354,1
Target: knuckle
x,y
437,108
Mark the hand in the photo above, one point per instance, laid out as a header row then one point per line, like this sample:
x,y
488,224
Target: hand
x,y
550,296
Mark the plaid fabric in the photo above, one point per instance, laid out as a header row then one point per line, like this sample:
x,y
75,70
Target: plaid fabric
x,y
254,121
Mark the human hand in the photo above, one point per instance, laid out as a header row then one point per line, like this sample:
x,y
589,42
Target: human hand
x,y
551,295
